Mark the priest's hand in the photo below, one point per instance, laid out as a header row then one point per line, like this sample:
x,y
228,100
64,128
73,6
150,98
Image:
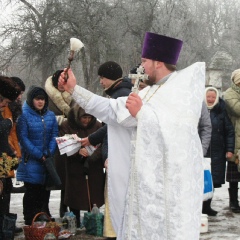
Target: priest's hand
x,y
69,84
134,104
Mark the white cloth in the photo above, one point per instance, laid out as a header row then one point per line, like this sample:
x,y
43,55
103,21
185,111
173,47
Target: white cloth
x,y
155,182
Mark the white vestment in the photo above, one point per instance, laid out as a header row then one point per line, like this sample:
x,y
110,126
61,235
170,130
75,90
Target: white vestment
x,y
155,168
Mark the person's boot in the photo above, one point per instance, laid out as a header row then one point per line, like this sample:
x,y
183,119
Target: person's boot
x,y
77,215
45,205
63,208
8,226
18,230
47,211
207,208
233,200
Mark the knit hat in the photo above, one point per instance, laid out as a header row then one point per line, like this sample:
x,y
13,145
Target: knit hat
x,y
55,77
161,48
19,82
236,76
8,88
134,70
110,70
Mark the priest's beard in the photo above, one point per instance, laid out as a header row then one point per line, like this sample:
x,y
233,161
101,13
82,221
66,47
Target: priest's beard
x,y
152,78
150,81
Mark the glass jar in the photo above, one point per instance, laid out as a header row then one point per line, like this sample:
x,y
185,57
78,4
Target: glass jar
x,y
49,236
65,221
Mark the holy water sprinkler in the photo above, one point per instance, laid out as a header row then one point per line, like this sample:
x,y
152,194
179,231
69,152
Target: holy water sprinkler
x,y
75,45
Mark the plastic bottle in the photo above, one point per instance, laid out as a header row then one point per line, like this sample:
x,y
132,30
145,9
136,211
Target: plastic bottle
x,y
95,209
65,221
72,223
49,236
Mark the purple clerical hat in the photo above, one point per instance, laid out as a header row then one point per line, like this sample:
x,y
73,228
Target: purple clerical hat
x,y
161,48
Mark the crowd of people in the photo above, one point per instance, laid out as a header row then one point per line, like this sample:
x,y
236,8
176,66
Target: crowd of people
x,y
151,144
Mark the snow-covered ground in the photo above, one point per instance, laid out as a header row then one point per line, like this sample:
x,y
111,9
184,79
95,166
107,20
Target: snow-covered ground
x,y
226,225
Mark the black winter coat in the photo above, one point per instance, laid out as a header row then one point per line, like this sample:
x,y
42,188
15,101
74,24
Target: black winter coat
x,y
222,141
120,88
100,136
5,127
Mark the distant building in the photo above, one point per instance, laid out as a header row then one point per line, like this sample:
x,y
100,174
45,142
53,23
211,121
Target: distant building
x,y
219,71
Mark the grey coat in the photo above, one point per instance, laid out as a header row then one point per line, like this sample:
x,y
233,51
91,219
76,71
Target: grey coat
x,y
205,128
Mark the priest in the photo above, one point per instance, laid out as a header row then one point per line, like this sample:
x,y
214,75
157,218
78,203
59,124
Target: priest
x,y
155,156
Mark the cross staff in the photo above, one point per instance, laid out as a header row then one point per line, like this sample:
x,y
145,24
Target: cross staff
x,y
139,77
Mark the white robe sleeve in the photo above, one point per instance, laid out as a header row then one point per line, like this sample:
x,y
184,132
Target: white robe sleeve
x,y
110,111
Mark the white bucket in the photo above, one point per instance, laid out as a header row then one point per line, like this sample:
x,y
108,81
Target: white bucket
x,y
204,223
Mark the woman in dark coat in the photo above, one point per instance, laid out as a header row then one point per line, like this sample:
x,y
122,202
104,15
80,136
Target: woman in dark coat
x,y
81,164
222,141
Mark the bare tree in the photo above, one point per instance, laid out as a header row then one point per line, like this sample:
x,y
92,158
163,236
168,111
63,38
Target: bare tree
x,y
114,30
92,22
37,34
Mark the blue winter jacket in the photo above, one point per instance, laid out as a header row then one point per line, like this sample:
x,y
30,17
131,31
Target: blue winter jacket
x,y
36,135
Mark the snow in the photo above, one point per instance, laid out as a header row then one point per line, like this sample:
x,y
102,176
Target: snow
x,y
226,225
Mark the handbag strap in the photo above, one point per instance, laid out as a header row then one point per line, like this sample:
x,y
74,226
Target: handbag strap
x,y
44,137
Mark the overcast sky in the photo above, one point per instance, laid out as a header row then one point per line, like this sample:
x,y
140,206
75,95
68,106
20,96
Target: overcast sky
x,y
6,10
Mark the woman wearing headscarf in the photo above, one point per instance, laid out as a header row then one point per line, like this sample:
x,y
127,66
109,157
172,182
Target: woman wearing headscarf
x,y
81,164
222,141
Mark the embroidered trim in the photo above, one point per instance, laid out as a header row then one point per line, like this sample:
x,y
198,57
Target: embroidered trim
x,y
152,94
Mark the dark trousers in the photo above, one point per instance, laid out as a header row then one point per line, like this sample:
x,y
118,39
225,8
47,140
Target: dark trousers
x,y
6,196
77,214
45,207
63,207
33,200
7,220
233,185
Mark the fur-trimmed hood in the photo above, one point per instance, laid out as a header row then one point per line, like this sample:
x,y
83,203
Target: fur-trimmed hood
x,y
62,100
